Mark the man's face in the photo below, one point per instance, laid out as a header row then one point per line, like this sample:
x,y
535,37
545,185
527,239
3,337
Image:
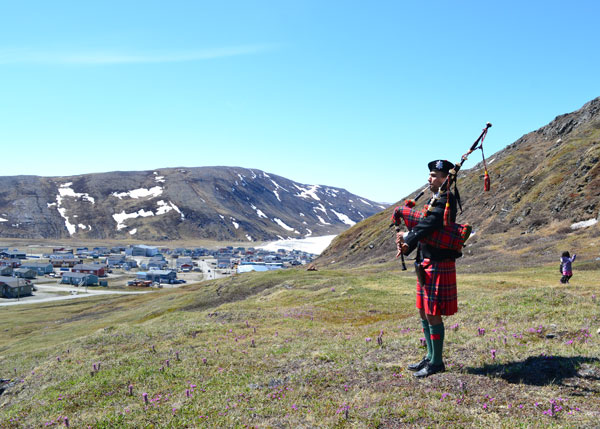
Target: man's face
x,y
436,178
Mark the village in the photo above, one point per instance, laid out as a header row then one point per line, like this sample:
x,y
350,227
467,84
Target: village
x,y
24,275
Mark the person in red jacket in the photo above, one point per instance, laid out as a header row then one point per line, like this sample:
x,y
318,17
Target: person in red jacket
x,y
436,272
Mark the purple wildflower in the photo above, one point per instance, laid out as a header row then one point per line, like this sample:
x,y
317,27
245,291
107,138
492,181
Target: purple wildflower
x,y
145,396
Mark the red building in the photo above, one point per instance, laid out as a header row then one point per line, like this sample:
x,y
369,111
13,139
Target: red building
x,y
95,269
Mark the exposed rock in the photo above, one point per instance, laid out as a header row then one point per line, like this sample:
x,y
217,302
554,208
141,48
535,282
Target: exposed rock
x,y
220,203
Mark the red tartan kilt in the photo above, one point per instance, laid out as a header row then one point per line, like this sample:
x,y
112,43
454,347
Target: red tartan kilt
x,y
438,296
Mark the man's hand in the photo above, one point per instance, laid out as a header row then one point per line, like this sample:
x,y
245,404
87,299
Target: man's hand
x,y
401,246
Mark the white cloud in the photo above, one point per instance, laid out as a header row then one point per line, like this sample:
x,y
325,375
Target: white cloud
x,y
107,57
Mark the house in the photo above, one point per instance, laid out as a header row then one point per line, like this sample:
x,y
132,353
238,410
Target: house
x,y
41,268
131,263
25,273
223,263
142,250
185,263
156,264
11,287
6,270
114,260
15,263
15,254
159,276
65,262
96,269
79,279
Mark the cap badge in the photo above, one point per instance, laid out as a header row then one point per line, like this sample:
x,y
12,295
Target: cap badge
x,y
439,165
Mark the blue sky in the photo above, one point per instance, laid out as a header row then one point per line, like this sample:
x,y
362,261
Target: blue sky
x,y
353,94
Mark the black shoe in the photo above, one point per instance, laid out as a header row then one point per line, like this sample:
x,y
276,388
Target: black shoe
x,y
418,366
430,369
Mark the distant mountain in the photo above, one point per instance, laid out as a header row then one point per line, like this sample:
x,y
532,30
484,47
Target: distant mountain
x,y
219,203
545,198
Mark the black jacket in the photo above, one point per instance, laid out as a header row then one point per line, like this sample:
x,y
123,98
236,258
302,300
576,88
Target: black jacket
x,y
429,224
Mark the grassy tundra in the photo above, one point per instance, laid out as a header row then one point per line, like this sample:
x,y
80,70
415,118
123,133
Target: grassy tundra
x,y
307,349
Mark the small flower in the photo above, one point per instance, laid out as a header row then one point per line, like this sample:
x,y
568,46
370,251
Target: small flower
x,y
130,389
145,396
493,353
368,339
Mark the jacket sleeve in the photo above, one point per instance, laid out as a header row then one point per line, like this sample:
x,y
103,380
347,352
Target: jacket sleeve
x,y
427,225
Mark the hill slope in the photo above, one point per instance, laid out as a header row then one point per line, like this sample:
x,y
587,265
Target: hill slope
x,y
542,186
296,348
219,203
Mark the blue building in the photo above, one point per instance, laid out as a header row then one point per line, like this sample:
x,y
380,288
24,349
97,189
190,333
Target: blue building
x,y
79,279
40,267
158,276
142,250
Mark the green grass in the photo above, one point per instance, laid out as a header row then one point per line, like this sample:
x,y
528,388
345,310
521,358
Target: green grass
x,y
299,349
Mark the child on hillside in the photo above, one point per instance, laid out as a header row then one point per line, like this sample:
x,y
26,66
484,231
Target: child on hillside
x,y
565,263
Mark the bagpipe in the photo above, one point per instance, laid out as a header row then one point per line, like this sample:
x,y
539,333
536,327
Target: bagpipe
x,y
453,235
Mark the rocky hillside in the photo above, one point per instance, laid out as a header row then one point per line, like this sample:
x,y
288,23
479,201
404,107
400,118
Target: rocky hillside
x,y
219,203
545,198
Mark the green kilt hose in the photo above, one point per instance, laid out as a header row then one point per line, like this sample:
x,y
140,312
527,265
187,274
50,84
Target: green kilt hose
x,y
438,295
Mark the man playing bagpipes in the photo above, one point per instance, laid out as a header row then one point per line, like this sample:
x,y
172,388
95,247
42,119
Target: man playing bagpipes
x,y
438,239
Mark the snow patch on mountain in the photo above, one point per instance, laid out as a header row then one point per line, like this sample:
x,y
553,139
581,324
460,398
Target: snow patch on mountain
x,y
65,190
258,211
584,224
284,226
310,192
344,218
140,193
120,218
322,221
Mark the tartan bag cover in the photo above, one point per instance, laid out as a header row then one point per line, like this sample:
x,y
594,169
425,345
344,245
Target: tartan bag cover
x,y
452,236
